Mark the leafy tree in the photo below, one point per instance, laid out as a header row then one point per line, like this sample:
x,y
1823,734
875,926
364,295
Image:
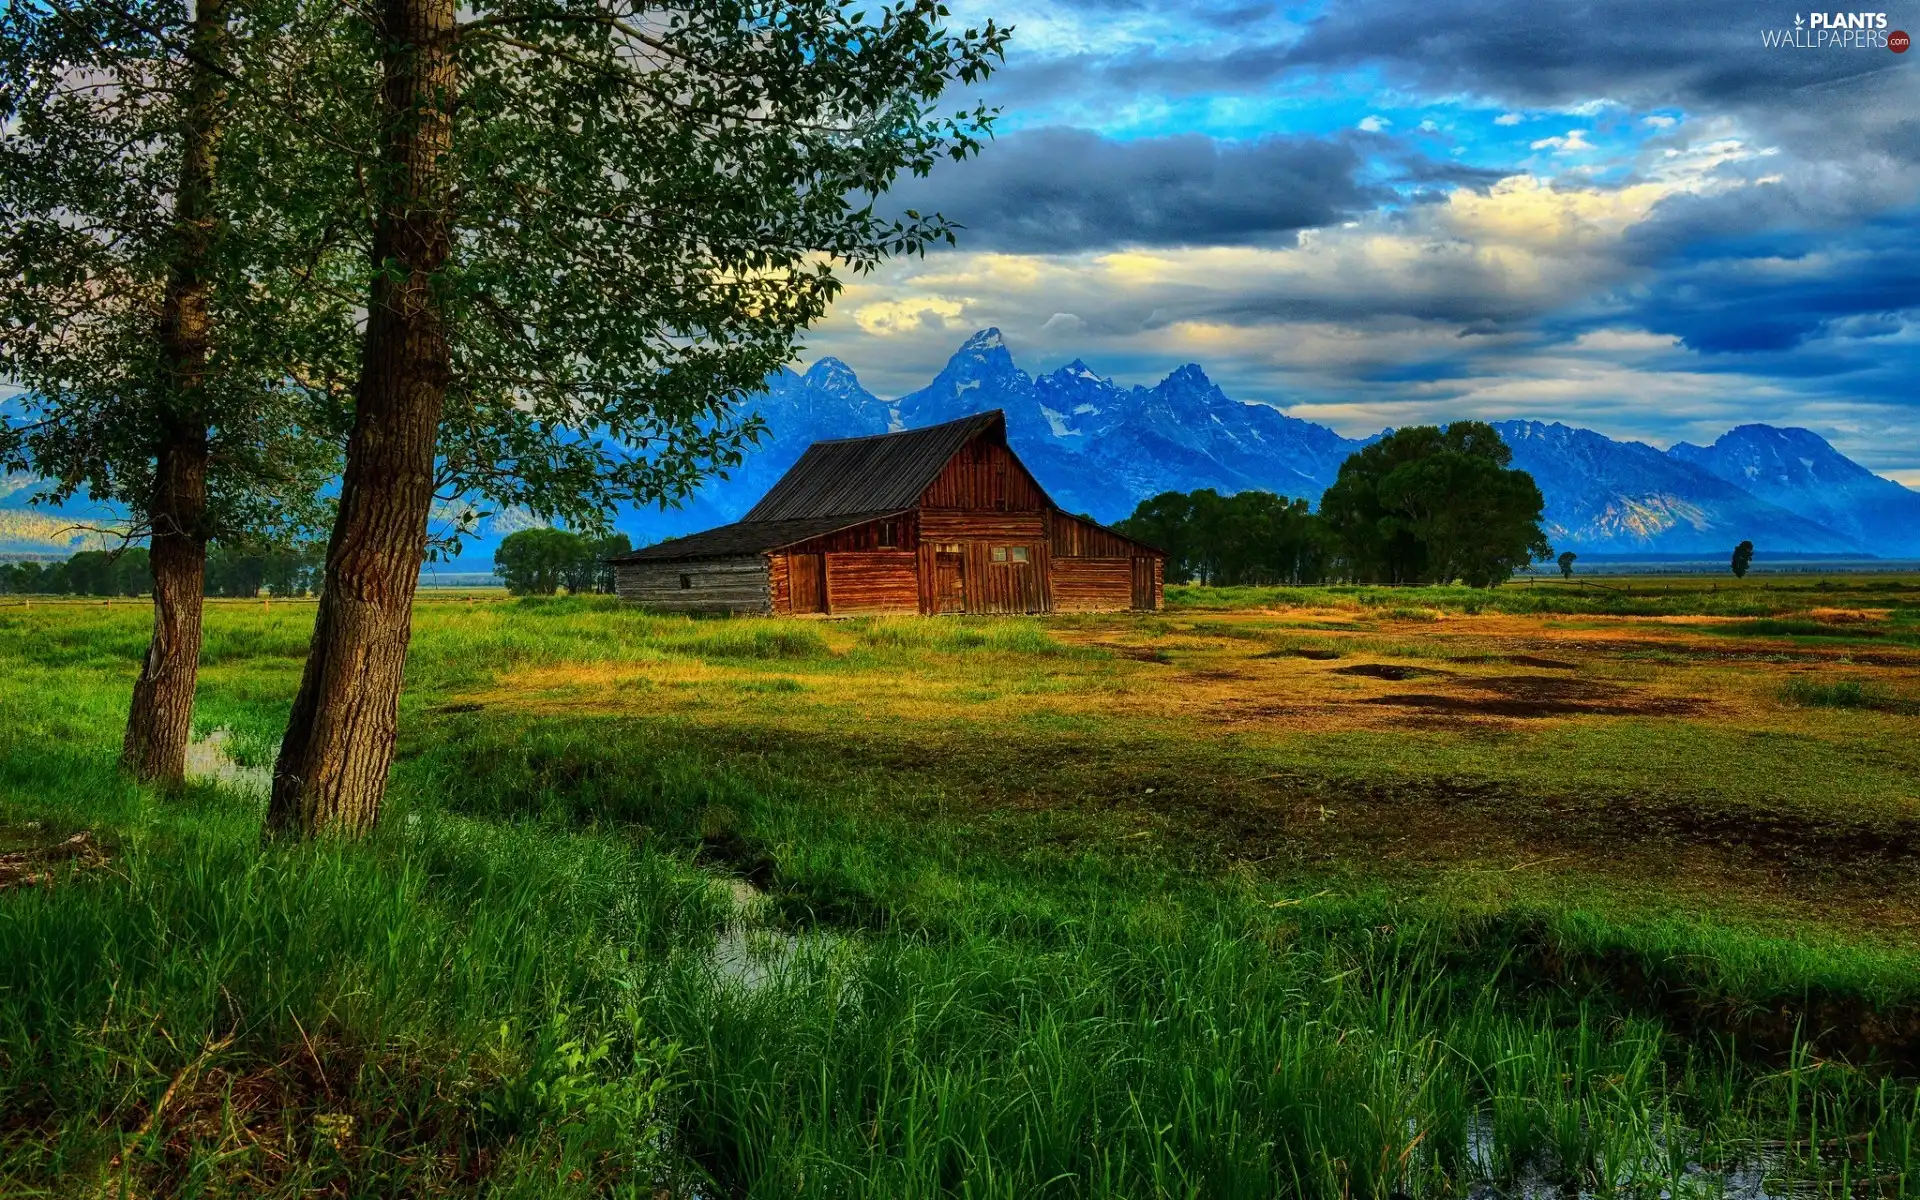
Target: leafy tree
x,y
1742,559
539,562
1426,504
1567,559
280,572
1251,537
108,573
593,573
535,562
594,226
157,309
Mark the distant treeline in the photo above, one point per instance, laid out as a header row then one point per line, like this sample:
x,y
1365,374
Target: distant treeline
x,y
1246,539
1422,505
128,573
539,562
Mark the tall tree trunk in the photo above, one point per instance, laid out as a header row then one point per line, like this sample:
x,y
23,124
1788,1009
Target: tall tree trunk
x,y
160,718
332,771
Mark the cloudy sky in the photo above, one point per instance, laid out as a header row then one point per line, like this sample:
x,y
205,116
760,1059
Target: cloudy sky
x,y
1634,216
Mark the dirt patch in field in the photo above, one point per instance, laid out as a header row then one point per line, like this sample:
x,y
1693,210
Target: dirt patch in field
x,y
38,866
1391,671
1301,652
1528,696
1220,675
1518,660
1152,654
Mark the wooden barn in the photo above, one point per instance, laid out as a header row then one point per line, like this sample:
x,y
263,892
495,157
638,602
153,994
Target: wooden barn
x,y
938,520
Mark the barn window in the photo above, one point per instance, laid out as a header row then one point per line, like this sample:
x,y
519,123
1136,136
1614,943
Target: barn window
x,y
1019,553
889,533
686,581
999,554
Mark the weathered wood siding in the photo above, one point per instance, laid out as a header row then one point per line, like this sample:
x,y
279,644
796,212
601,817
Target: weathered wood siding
x,y
1146,583
807,583
1007,587
1004,528
1092,584
866,581
779,584
740,585
1074,538
984,475
872,535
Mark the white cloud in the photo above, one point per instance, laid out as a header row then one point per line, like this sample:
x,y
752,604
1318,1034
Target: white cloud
x,y
1374,124
1658,121
1508,119
1630,341
912,314
1574,142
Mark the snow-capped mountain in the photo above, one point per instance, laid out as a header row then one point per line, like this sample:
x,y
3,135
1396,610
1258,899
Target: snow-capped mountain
x,y
1627,497
1101,448
1797,470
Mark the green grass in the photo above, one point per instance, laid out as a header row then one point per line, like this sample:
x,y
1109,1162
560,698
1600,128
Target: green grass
x,y
529,982
1846,693
1757,596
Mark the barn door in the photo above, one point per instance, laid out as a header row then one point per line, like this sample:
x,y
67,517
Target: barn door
x,y
809,582
1143,583
949,582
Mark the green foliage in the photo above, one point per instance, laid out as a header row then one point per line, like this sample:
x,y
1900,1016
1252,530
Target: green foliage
x,y
289,572
1432,505
88,573
539,562
1250,537
646,209
1567,558
93,106
1845,693
1742,559
295,571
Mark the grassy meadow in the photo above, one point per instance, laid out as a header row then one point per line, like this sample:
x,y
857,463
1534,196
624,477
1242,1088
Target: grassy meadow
x,y
1322,892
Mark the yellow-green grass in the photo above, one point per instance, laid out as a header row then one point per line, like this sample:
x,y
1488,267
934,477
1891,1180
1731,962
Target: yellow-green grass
x,y
1102,905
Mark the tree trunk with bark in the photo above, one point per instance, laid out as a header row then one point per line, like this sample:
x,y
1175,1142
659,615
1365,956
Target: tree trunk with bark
x,y
331,775
160,717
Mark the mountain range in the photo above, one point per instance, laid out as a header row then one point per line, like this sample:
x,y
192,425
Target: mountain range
x,y
1100,448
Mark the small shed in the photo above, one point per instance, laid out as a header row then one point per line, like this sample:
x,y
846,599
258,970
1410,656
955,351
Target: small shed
x,y
944,519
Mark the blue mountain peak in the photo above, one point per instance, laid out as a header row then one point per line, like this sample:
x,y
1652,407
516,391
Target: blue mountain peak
x,y
986,339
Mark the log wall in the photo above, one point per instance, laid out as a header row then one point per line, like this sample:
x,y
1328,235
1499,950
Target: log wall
x,y
873,581
1092,584
1006,528
738,585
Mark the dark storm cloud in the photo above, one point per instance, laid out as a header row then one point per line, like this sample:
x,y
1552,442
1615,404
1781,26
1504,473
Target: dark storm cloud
x,y
1703,56
1547,54
1062,190
1759,295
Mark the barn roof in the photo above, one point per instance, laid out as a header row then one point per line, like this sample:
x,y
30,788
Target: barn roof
x,y
883,473
841,483
747,537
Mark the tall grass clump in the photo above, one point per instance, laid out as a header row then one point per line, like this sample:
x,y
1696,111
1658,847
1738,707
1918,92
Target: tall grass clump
x,y
1844,693
954,636
451,1002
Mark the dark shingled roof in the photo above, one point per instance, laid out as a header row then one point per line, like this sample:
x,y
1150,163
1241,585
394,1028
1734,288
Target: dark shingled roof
x,y
746,537
884,473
